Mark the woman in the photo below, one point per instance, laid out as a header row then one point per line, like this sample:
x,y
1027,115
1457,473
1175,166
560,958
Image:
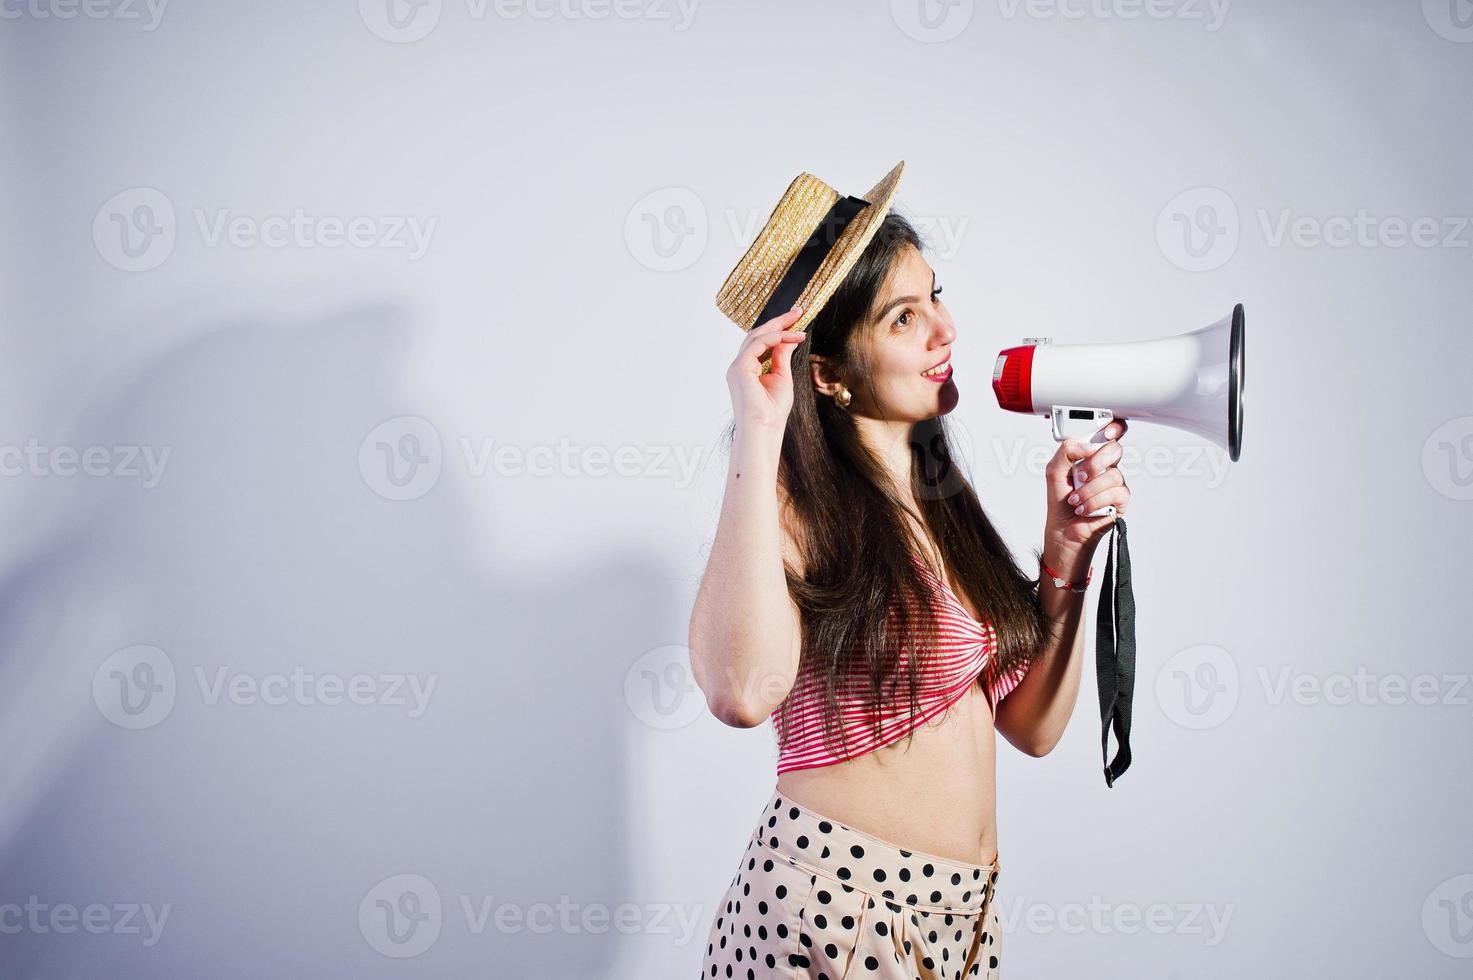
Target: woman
x,y
858,595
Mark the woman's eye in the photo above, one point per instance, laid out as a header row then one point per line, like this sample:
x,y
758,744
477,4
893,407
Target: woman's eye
x,y
935,292
901,320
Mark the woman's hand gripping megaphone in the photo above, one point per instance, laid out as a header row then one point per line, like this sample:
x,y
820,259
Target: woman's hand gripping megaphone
x,y
1086,490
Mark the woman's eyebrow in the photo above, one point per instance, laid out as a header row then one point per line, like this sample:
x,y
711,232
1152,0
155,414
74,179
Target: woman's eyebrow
x,y
897,302
904,299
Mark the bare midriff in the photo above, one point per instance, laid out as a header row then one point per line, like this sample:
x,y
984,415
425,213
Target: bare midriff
x,y
934,793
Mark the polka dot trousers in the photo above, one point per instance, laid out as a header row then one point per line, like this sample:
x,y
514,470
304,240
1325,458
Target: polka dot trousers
x,y
815,898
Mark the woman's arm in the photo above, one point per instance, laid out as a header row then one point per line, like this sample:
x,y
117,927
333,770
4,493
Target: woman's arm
x,y
1034,715
745,636
744,628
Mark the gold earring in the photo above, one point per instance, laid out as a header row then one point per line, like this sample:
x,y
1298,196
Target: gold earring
x,y
843,397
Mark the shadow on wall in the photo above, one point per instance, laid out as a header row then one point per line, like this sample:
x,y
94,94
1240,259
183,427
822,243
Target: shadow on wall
x,y
195,786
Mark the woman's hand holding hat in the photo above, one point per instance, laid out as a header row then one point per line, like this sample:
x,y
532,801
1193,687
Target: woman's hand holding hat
x,y
761,402
811,241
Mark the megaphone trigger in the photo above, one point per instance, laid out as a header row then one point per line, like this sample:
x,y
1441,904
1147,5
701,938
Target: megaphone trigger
x,y
1085,424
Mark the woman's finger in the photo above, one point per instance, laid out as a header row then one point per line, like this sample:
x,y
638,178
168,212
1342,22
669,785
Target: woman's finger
x,y
1117,497
782,354
1069,450
1096,452
773,333
1104,481
758,344
759,339
775,339
780,322
1106,456
1116,494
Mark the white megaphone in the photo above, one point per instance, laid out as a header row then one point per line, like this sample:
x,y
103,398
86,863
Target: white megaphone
x,y
1193,381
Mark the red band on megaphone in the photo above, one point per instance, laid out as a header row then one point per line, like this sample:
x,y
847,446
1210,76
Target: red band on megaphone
x,y
1013,384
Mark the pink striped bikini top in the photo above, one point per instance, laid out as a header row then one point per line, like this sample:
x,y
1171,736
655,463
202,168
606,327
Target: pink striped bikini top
x,y
965,651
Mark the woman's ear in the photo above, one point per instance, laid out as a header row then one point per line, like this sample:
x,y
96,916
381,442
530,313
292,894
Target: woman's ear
x,y
826,380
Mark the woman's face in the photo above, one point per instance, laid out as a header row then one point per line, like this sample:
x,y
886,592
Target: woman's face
x,y
909,335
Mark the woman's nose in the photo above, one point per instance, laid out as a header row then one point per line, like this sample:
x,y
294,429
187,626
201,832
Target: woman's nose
x,y
945,330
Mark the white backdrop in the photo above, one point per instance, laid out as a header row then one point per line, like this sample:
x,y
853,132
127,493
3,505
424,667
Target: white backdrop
x,y
362,385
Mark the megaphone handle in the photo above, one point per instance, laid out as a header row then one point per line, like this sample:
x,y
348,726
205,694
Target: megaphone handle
x,y
1088,426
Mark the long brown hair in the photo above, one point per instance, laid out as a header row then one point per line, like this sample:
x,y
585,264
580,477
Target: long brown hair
x,y
857,546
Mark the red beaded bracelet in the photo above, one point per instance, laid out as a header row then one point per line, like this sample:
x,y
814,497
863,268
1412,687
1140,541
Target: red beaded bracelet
x,y
1058,580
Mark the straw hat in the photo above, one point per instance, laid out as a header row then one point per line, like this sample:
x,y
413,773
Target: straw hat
x,y
810,242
